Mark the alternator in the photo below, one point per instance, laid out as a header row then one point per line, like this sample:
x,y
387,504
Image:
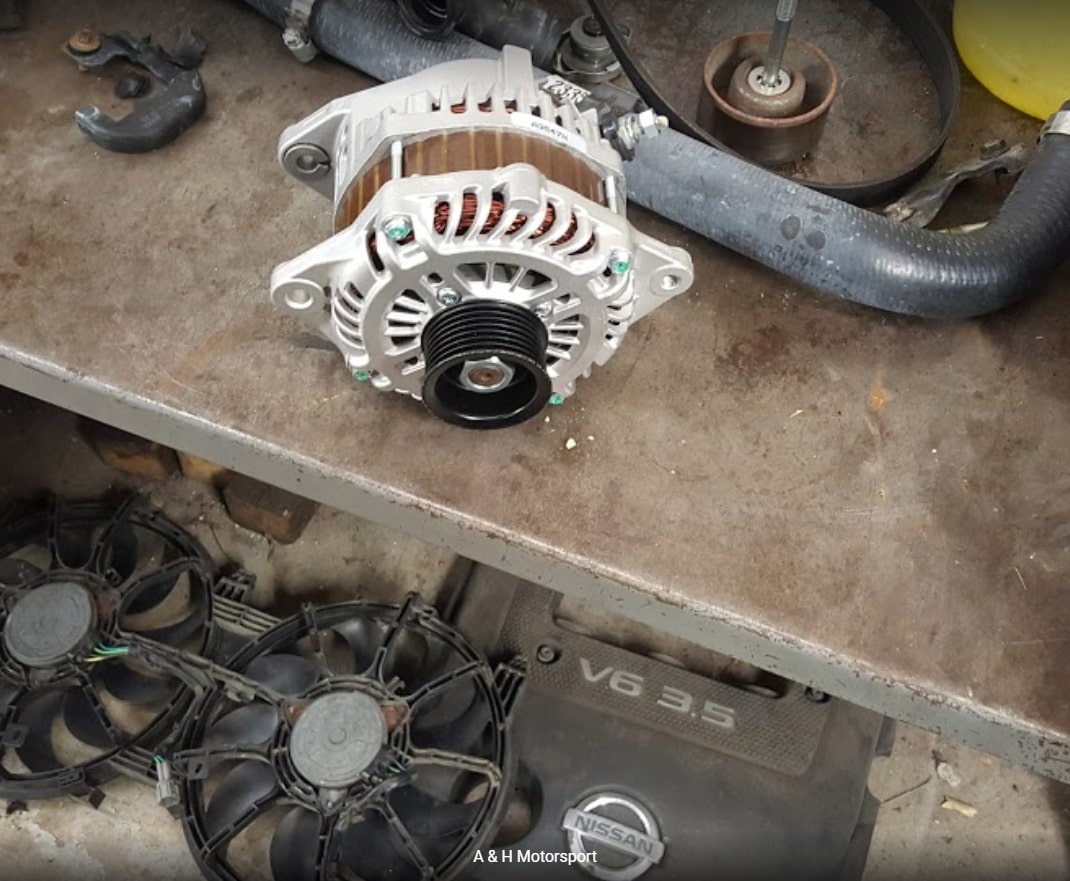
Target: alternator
x,y
481,260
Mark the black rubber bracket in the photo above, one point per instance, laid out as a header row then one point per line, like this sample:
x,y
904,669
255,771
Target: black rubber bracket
x,y
156,121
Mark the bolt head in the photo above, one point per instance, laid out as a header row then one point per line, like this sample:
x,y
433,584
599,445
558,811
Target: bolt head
x,y
620,262
361,375
546,654
84,42
650,123
448,297
557,400
544,310
397,228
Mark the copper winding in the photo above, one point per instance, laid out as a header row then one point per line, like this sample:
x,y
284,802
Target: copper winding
x,y
470,210
477,150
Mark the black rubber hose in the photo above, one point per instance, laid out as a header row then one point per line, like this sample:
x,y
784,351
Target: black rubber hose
x,y
852,253
843,250
433,19
501,23
497,23
369,36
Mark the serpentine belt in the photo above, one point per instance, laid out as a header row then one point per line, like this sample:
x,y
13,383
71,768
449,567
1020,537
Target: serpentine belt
x,y
916,23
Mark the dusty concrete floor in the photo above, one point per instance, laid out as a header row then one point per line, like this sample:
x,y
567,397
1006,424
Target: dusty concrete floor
x,y
1020,832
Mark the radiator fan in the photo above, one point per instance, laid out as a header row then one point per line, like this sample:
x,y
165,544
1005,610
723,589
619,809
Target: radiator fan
x,y
71,703
375,749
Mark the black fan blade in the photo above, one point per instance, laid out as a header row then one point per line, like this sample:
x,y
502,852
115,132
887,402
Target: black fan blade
x,y
364,636
371,851
239,793
176,634
461,734
447,704
150,590
38,715
406,658
16,572
131,685
295,846
120,551
8,692
440,659
249,725
83,720
71,547
287,674
427,817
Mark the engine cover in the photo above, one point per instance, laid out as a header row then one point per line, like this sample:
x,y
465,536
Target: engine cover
x,y
469,189
660,770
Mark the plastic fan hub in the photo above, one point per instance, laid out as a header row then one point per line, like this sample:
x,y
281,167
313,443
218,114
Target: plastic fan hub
x,y
49,623
336,738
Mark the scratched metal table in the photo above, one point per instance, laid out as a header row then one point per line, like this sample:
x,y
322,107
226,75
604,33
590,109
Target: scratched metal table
x,y
876,506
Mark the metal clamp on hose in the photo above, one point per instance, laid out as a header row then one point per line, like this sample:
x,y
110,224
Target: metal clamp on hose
x,y
924,33
295,35
1058,123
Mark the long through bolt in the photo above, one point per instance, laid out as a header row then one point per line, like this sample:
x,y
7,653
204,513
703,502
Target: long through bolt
x,y
785,15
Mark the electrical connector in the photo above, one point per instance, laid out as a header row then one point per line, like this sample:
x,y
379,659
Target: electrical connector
x,y
166,790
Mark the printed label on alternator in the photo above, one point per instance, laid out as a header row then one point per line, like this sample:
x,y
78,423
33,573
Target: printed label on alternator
x,y
548,129
563,91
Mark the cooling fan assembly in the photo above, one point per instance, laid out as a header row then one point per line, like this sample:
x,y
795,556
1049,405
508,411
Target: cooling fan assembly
x,y
369,743
75,707
352,741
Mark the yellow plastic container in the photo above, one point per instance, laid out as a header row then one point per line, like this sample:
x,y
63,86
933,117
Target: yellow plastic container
x,y
1018,49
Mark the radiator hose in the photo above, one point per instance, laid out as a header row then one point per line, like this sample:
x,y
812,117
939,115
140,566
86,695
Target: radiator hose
x,y
820,241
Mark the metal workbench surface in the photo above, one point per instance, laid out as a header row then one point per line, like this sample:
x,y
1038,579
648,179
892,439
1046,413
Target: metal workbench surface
x,y
874,505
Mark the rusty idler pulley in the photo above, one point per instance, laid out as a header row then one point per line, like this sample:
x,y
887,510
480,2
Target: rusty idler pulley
x,y
773,121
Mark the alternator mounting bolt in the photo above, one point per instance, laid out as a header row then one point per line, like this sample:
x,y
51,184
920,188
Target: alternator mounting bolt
x,y
447,297
397,228
620,261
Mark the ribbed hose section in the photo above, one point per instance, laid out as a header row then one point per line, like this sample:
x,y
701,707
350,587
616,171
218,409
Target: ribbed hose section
x,y
852,253
368,35
815,239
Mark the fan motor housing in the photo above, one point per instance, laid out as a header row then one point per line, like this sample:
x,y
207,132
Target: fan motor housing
x,y
469,182
50,624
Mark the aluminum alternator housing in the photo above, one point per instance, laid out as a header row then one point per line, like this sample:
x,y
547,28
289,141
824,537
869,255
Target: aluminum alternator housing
x,y
481,259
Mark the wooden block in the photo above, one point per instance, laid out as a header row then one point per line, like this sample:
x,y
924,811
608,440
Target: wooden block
x,y
128,452
273,512
196,468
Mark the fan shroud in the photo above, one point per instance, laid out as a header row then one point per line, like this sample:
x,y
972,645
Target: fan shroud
x,y
384,755
73,712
